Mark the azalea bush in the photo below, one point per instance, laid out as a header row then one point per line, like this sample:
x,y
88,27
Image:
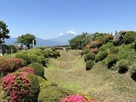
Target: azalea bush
x,y
38,69
24,56
15,86
89,56
77,98
89,64
26,69
95,50
4,66
20,87
16,63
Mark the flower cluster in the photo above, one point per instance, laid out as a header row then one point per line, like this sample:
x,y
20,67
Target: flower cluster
x,y
76,98
89,45
110,37
16,63
95,50
15,86
99,43
26,69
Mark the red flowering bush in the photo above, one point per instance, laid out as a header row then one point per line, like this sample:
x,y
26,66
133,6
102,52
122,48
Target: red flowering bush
x,y
89,45
99,43
4,65
95,50
110,37
26,69
16,63
76,98
15,86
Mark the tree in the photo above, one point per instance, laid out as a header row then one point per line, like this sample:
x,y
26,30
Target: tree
x,y
80,41
27,40
3,32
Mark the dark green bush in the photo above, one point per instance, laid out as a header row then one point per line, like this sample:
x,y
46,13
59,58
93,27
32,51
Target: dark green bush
x,y
89,64
123,65
38,69
84,51
35,89
113,50
111,59
129,37
89,56
35,58
24,56
55,54
45,53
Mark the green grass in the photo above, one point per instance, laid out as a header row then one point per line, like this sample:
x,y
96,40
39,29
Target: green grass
x,y
104,84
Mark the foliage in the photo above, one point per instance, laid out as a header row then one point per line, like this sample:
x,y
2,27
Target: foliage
x,y
89,64
133,68
35,89
3,32
11,49
15,63
52,93
38,69
77,98
85,51
4,66
55,54
15,86
89,56
27,40
106,46
129,37
113,50
24,56
79,41
111,59
101,55
123,64
26,69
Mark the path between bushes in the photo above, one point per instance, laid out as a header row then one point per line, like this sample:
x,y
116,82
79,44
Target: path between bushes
x,y
105,85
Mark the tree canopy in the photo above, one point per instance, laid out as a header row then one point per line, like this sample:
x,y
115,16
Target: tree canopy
x,y
27,40
80,41
3,32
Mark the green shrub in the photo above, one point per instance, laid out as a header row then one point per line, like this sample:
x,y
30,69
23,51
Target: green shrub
x,y
89,64
38,69
45,53
42,47
113,50
35,58
24,56
35,89
129,37
100,56
111,59
84,51
89,56
123,65
52,93
53,49
133,68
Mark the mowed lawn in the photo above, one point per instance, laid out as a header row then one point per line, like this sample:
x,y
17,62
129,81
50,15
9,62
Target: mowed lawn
x,y
101,83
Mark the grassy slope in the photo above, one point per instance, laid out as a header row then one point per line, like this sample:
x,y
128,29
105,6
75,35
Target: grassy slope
x,y
101,83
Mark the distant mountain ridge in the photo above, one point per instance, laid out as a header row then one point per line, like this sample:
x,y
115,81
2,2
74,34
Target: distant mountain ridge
x,y
61,40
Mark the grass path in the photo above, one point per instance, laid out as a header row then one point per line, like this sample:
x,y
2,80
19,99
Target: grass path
x,y
105,85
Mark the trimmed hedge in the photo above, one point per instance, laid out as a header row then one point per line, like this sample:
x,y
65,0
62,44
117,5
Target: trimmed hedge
x,y
89,64
16,63
38,69
89,56
24,56
111,59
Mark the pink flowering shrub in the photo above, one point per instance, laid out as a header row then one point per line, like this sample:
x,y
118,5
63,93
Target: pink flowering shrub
x,y
4,66
15,86
16,63
95,50
77,98
26,69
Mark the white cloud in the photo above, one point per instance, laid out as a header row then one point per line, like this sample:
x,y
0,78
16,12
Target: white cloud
x,y
60,34
71,32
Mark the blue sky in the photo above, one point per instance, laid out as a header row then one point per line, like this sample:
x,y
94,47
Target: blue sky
x,y
49,18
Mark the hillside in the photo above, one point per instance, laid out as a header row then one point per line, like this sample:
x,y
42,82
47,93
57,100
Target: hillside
x,y
101,83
